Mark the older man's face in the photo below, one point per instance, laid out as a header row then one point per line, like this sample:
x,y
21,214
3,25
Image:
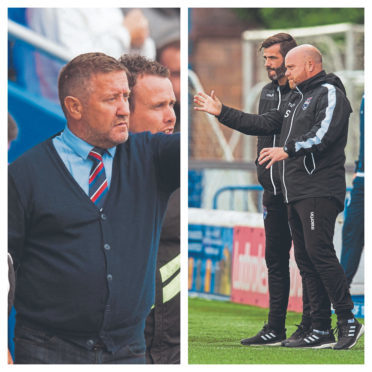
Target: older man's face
x,y
106,110
296,72
153,105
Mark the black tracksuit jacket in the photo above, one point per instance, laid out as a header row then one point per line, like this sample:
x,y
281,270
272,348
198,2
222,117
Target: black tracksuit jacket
x,y
272,97
313,126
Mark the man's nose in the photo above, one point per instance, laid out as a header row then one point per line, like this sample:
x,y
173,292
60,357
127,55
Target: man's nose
x,y
170,116
123,107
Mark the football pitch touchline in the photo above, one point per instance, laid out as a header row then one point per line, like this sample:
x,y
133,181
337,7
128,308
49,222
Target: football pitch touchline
x,y
216,328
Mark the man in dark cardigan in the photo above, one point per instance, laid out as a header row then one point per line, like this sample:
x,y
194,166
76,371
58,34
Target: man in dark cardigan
x,y
85,215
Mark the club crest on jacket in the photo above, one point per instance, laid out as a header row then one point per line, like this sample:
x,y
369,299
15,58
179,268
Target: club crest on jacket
x,y
306,103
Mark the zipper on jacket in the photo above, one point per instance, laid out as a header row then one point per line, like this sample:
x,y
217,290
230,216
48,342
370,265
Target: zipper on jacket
x,y
285,142
280,97
271,171
271,168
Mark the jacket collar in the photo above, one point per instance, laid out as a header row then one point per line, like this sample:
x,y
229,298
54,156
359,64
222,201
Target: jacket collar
x,y
313,81
283,88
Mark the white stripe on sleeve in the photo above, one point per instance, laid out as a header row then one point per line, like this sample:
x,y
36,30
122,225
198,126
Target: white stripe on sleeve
x,y
317,139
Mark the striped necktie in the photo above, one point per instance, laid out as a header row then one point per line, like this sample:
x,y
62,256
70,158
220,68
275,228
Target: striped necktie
x,y
97,178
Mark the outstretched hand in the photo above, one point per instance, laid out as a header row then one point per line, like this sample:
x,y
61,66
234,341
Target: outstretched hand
x,y
210,104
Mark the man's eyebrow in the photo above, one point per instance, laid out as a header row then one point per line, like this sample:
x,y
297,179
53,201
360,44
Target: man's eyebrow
x,y
161,102
164,102
117,93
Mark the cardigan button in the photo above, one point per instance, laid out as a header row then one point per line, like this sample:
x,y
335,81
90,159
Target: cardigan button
x,y
107,247
109,277
103,216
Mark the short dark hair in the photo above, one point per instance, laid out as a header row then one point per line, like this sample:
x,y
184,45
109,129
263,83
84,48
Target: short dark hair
x,y
12,129
286,41
140,66
76,74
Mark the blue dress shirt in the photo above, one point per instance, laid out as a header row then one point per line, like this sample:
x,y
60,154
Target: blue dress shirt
x,y
74,154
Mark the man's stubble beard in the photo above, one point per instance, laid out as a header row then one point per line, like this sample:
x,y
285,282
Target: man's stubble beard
x,y
279,73
102,140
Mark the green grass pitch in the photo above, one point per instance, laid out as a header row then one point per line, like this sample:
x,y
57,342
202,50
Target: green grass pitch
x,y
216,328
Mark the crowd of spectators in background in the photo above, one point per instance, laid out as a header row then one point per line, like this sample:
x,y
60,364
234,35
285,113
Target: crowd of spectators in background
x,y
113,31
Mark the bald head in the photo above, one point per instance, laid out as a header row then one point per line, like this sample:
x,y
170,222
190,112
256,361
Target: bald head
x,y
302,63
307,52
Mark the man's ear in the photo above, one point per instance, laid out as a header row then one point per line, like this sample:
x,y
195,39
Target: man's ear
x,y
310,65
74,107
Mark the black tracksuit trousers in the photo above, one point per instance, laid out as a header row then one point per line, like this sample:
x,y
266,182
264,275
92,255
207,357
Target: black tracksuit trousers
x,y
312,223
278,245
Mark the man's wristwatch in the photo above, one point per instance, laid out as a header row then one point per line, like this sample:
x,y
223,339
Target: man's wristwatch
x,y
285,149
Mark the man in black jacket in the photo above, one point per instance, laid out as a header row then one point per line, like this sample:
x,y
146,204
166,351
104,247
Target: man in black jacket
x,y
313,126
152,103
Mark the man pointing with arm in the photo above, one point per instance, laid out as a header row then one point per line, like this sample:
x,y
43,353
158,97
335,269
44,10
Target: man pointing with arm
x,y
278,240
85,214
152,109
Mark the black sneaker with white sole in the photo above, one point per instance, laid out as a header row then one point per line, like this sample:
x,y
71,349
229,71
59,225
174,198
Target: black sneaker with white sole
x,y
298,334
313,340
349,332
266,337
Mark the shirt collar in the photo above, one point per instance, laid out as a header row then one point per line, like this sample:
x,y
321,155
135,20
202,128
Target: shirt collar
x,y
78,145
